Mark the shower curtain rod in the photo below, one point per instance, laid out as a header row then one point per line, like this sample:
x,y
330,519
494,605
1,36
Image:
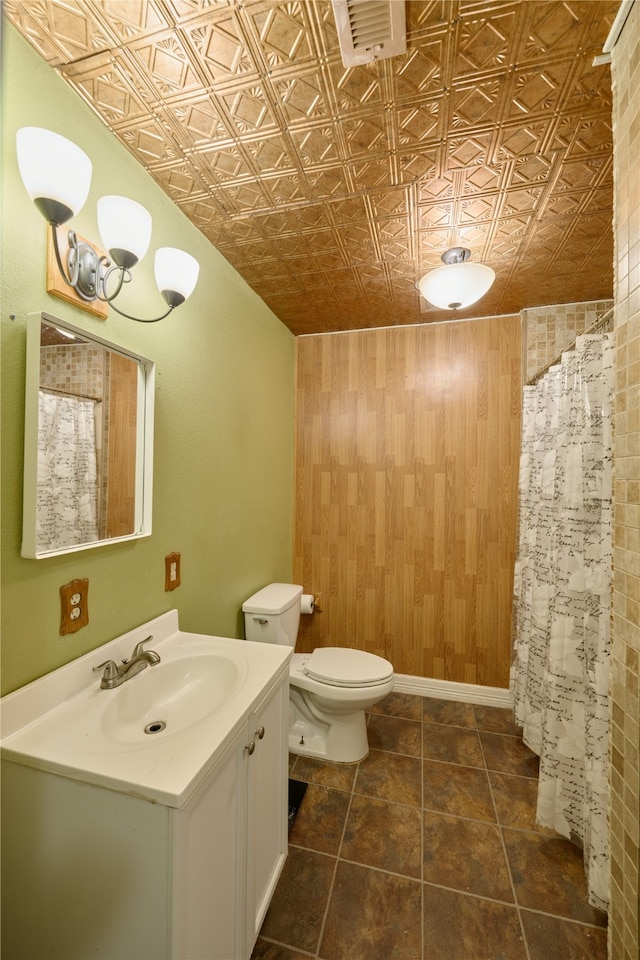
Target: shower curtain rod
x,y
604,320
74,396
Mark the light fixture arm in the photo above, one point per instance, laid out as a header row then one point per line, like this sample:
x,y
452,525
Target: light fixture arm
x,y
72,278
124,276
141,319
88,274
88,268
87,271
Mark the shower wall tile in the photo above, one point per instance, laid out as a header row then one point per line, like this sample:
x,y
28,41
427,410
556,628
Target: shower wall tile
x,y
550,330
78,370
624,939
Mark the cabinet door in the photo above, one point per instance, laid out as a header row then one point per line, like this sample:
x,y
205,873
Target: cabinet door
x,y
209,874
267,774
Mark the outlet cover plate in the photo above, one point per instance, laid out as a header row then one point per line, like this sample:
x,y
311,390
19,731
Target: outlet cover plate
x,y
171,571
74,597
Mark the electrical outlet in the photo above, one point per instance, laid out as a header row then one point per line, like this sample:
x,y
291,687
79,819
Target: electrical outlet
x,y
171,571
74,597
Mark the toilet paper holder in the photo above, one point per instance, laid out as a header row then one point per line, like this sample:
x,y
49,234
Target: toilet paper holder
x,y
307,603
310,603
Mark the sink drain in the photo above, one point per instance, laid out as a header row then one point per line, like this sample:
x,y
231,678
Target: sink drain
x,y
156,727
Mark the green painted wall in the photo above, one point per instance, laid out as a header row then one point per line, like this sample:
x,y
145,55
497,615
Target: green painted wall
x,y
223,482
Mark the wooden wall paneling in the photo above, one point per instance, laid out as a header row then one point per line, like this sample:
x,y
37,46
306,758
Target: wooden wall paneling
x,y
121,478
406,487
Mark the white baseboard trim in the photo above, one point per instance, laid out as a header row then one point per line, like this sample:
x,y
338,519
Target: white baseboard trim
x,y
451,690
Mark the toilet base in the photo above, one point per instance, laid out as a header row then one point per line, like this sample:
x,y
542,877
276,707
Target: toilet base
x,y
343,740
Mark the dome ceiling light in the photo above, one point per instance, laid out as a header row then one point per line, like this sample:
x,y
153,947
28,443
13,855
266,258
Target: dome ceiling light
x,y
457,284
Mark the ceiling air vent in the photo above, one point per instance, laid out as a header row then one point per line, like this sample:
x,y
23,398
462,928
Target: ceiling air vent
x,y
370,30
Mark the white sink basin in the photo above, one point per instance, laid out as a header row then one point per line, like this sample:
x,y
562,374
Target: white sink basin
x,y
155,735
169,697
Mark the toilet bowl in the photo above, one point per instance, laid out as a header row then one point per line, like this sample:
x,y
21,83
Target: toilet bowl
x,y
329,690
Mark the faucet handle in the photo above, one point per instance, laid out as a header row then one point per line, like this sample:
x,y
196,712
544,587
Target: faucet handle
x,y
137,650
110,669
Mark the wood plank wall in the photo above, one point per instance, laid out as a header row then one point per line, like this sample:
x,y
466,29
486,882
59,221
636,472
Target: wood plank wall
x,y
407,452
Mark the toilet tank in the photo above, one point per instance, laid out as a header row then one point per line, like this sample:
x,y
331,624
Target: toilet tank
x,y
272,615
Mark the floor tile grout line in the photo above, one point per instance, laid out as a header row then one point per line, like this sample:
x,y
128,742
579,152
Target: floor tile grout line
x,y
510,873
472,895
514,892
395,803
488,770
337,859
387,873
507,773
563,917
287,946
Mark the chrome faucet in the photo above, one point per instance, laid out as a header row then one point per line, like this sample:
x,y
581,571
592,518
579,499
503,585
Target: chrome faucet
x,y
115,674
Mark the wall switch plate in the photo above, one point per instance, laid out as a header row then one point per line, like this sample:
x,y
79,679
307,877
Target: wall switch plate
x,y
171,571
74,597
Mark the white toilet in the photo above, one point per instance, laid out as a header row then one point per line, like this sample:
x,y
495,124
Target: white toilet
x,y
330,689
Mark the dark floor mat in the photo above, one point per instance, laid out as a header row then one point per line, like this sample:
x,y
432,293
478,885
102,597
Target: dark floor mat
x,y
297,790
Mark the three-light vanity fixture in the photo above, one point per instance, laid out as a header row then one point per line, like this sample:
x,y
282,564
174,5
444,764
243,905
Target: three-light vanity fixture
x,y
459,283
57,177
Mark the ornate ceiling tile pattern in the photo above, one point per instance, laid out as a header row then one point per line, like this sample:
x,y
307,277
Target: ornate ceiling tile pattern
x,y
332,190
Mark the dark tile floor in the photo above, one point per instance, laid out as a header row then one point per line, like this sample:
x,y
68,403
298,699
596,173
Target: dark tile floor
x,y
428,850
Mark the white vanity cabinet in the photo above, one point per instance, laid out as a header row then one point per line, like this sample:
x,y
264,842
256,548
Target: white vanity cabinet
x,y
231,840
120,872
267,805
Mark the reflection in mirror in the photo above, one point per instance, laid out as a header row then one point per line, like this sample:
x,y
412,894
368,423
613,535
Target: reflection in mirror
x,y
88,441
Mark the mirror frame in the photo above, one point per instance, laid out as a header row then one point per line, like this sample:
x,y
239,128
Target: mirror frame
x,y
144,439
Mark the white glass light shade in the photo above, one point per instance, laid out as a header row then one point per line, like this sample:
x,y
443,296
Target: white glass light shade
x,y
456,285
55,172
125,229
176,273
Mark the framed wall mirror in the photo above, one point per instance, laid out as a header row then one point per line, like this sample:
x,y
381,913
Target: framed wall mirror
x,y
88,441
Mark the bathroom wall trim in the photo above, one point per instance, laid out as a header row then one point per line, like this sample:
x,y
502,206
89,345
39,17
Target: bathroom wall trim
x,y
420,323
451,690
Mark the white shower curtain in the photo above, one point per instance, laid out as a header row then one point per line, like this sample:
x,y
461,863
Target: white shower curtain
x,y
562,593
67,492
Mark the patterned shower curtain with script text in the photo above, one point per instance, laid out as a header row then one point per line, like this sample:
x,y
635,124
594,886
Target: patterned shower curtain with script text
x,y
562,593
67,492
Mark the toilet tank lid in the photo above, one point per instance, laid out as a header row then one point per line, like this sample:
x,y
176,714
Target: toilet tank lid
x,y
272,599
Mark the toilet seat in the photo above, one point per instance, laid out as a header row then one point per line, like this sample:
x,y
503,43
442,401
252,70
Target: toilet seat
x,y
344,667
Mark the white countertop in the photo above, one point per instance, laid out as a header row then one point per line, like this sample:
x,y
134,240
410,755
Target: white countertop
x,y
57,722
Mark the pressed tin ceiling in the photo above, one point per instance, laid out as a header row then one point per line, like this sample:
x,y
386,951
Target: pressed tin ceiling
x,y
333,190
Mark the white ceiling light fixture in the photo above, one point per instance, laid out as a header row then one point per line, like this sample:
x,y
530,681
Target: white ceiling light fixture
x,y
57,176
459,283
370,30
